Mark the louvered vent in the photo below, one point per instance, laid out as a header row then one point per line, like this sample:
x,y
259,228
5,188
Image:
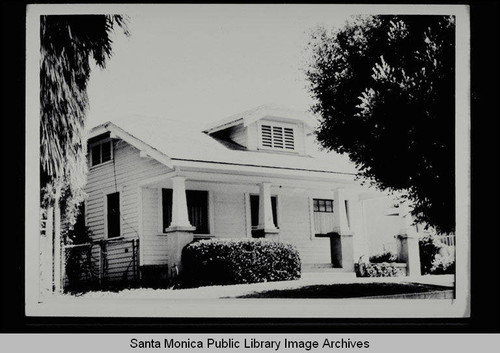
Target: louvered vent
x,y
277,137
289,141
267,139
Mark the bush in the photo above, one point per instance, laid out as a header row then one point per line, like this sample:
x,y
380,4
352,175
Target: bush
x,y
225,261
379,270
383,257
435,258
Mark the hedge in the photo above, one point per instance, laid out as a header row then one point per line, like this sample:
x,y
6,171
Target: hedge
x,y
229,261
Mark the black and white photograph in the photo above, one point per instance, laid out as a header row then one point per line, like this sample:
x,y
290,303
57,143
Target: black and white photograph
x,y
248,161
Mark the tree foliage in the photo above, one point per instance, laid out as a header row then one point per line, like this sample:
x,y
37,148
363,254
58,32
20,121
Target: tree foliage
x,y
68,43
384,89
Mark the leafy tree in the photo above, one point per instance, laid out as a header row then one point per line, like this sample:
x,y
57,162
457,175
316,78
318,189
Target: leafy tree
x,y
384,88
68,43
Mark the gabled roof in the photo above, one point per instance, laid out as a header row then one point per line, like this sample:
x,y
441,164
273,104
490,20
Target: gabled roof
x,y
169,141
248,117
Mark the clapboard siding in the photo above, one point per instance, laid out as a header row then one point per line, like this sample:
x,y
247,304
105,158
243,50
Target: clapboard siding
x,y
229,214
154,245
128,168
294,224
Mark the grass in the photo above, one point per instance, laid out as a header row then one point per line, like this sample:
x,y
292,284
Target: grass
x,y
350,290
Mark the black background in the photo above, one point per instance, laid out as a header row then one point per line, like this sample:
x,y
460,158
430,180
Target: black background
x,y
485,317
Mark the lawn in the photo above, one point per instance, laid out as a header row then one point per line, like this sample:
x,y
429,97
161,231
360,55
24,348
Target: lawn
x,y
348,290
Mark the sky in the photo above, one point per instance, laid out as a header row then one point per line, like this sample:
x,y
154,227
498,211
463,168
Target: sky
x,y
204,63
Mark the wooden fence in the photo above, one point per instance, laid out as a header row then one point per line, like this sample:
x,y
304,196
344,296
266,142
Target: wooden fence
x,y
101,264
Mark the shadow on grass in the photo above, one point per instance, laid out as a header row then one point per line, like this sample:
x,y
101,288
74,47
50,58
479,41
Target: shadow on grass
x,y
351,290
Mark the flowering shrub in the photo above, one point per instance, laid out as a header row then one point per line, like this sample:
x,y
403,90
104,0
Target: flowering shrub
x,y
383,269
228,261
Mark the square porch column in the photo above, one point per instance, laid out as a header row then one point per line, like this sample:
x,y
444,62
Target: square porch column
x,y
266,224
407,245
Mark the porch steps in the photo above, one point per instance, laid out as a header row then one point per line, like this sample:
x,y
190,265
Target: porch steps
x,y
325,273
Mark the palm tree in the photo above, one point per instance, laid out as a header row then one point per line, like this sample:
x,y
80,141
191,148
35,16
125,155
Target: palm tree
x,y
68,44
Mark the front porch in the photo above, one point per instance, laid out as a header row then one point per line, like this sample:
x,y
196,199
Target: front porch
x,y
187,205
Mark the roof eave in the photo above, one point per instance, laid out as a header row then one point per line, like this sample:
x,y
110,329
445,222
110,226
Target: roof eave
x,y
117,132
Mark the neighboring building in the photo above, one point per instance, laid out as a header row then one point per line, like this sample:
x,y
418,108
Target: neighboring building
x,y
255,174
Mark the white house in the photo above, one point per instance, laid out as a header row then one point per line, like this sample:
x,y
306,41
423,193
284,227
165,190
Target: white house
x,y
163,183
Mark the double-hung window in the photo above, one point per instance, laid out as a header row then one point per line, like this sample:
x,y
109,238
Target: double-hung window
x,y
101,152
278,137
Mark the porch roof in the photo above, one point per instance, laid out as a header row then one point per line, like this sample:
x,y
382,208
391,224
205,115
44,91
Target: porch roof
x,y
184,142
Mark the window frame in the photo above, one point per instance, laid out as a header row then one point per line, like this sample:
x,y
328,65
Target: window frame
x,y
325,207
100,143
106,222
273,125
209,210
250,227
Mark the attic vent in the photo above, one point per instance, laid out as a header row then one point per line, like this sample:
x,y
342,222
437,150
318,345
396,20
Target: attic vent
x,y
277,137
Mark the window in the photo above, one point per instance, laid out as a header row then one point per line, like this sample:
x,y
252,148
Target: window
x,y
197,203
277,137
323,217
101,152
320,205
113,214
254,211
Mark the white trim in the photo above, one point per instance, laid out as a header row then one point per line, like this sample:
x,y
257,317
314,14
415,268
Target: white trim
x,y
140,228
211,212
272,125
159,201
120,201
312,227
132,140
158,179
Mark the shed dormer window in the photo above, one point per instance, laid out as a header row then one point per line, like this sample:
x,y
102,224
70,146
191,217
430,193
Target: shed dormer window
x,y
101,152
277,137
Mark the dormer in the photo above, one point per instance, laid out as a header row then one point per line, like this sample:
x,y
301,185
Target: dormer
x,y
267,129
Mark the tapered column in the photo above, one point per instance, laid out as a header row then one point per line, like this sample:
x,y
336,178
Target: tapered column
x,y
180,231
408,247
266,224
340,220
342,227
180,218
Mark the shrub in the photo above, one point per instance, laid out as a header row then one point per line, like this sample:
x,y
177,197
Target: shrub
x,y
383,257
435,257
225,261
379,270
